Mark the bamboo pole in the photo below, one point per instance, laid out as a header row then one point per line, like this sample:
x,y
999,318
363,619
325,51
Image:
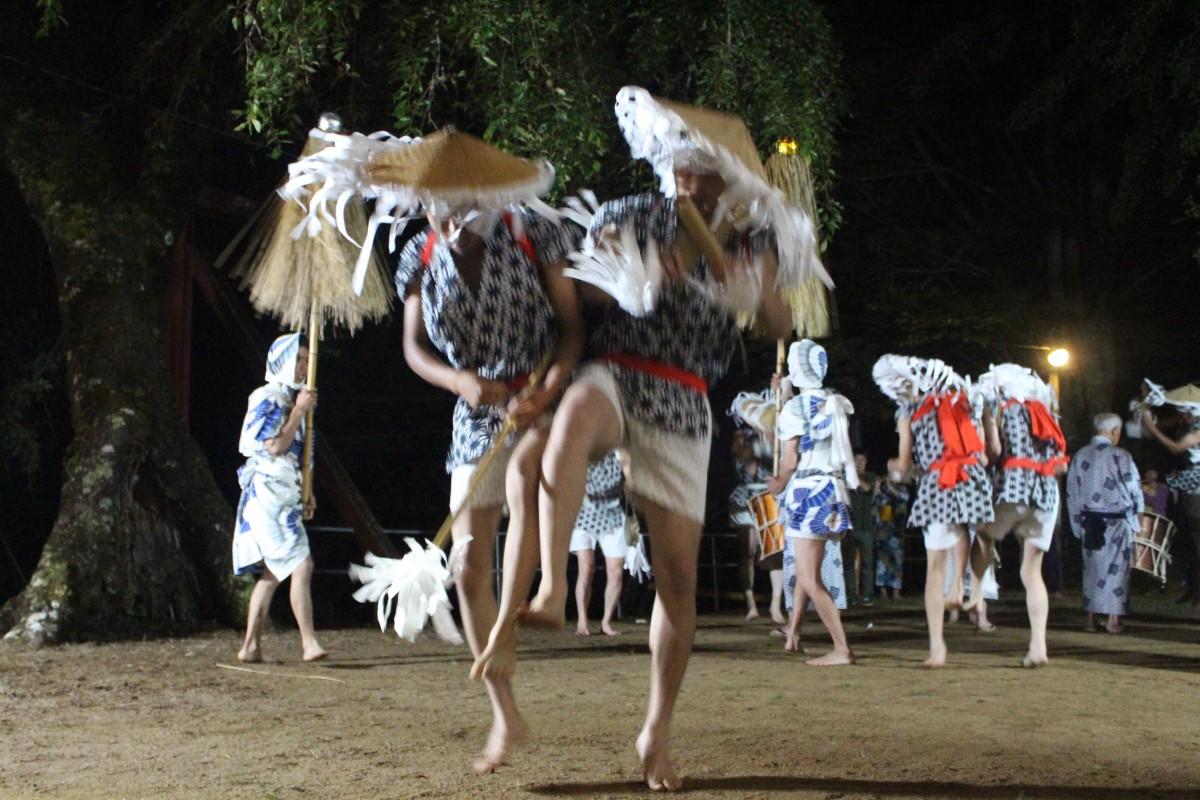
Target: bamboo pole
x,y
314,337
700,234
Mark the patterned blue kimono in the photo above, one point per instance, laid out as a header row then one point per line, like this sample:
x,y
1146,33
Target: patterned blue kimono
x,y
1104,498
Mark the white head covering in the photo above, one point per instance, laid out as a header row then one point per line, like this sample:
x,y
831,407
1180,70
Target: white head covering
x,y
906,379
281,360
1013,382
807,364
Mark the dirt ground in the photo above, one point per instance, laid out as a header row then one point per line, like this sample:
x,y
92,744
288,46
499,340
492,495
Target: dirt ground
x,y
1110,717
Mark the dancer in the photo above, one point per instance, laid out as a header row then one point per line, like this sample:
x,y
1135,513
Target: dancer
x,y
1029,450
1185,481
484,300
647,393
935,429
601,521
817,467
752,463
1104,498
891,515
269,537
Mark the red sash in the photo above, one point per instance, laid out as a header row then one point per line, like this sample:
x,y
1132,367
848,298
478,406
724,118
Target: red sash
x,y
1043,427
961,445
659,369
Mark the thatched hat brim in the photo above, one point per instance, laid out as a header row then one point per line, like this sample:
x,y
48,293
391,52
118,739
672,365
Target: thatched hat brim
x,y
444,174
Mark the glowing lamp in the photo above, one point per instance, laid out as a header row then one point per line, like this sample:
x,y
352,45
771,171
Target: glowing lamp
x,y
786,147
1058,357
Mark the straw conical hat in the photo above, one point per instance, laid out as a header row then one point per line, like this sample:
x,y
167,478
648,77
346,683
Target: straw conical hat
x,y
288,274
454,168
656,129
1188,394
443,174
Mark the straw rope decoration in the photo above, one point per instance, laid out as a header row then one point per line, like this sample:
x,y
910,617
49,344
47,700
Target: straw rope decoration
x,y
791,174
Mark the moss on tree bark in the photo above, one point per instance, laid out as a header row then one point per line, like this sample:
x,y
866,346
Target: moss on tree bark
x,y
142,538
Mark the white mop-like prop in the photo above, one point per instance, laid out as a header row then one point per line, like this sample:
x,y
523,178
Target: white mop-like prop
x,y
740,293
636,563
905,379
414,587
618,268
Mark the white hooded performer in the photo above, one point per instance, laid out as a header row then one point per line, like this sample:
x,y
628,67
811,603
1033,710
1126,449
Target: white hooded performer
x,y
817,467
269,536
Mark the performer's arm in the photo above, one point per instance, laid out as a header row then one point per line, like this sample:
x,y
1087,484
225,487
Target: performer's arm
x,y
774,314
564,299
1177,447
991,428
902,463
787,465
421,359
306,399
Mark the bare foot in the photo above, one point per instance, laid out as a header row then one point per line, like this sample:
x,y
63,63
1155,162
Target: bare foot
x,y
983,626
657,770
937,657
545,612
498,659
954,599
608,629
582,630
792,645
832,659
1031,661
502,739
751,614
777,616
952,617
250,654
314,652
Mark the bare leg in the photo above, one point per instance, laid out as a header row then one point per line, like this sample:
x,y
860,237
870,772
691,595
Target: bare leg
x,y
477,605
981,558
809,553
586,426
521,481
935,578
676,546
614,573
747,550
981,618
1037,603
583,589
954,600
777,616
799,607
1114,623
300,594
256,616
1091,627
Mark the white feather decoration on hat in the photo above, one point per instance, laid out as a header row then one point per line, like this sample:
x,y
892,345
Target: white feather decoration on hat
x,y
656,130
414,587
1014,382
905,379
377,166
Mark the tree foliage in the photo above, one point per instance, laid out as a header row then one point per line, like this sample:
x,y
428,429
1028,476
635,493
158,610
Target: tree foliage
x,y
539,77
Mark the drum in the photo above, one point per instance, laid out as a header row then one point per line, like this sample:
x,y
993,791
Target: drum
x,y
1152,544
765,509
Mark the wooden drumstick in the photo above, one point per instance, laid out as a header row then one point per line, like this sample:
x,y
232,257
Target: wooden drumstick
x,y
779,359
700,234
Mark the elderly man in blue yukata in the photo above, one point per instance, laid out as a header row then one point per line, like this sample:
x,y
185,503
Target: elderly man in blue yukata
x,y
1104,498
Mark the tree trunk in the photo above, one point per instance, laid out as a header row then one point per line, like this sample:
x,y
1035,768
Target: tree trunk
x,y
142,538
